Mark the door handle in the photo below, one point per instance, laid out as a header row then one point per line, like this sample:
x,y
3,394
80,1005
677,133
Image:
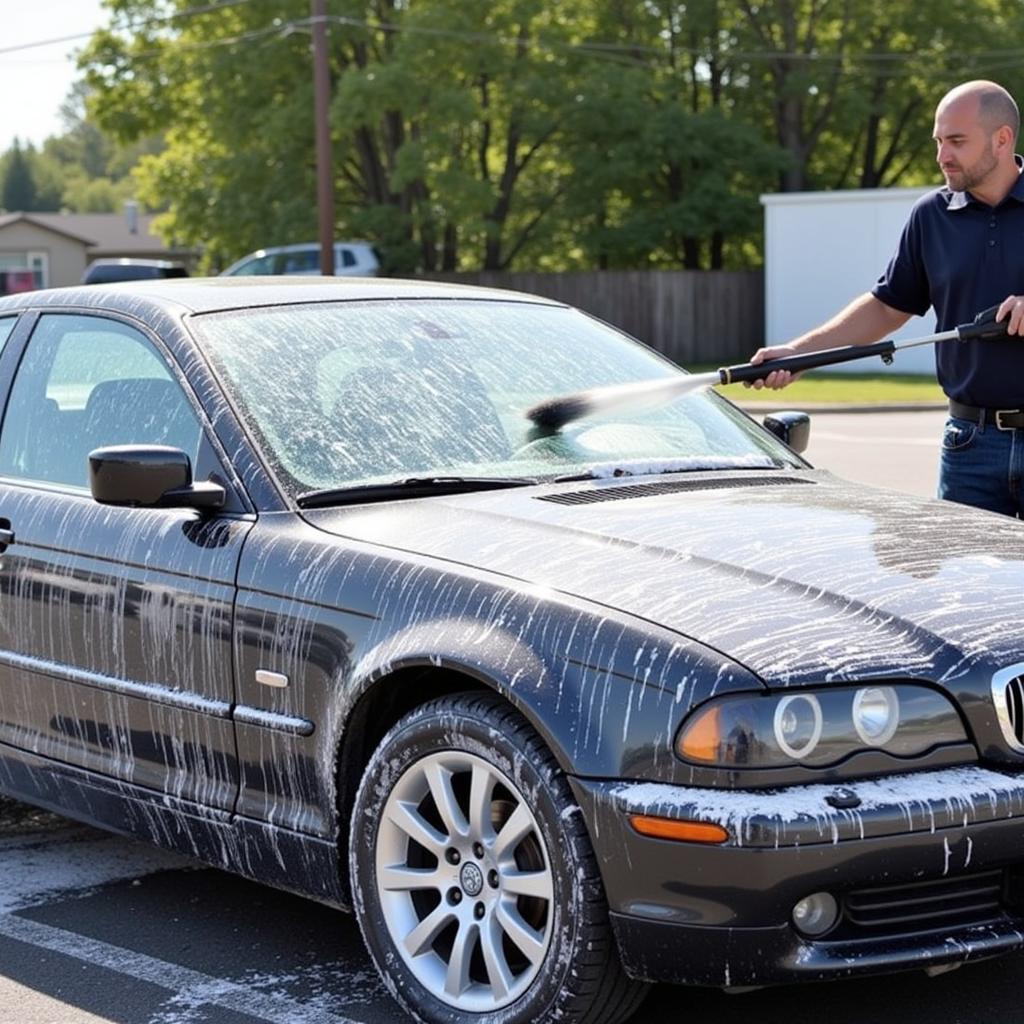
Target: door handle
x,y
6,537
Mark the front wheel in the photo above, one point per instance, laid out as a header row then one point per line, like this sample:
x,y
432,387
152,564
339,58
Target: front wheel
x,y
474,882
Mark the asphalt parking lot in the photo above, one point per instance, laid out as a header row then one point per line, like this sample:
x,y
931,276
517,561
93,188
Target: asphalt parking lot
x,y
899,450
95,928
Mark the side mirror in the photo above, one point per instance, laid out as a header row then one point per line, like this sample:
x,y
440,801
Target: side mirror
x,y
791,428
150,475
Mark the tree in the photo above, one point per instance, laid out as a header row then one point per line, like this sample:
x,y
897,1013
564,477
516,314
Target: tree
x,y
82,169
500,134
437,142
237,171
849,87
666,171
454,121
18,190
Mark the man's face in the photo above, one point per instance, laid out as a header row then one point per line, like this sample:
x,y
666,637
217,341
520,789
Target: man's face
x,y
964,147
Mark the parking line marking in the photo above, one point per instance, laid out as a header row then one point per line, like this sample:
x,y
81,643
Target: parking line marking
x,y
919,442
197,987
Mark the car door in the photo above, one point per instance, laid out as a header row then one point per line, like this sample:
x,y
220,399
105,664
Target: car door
x,y
115,623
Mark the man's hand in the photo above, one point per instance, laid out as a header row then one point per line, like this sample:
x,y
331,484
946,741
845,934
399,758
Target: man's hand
x,y
777,378
1014,306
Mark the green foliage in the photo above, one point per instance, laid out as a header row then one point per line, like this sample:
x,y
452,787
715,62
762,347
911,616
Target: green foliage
x,y
18,188
96,195
82,170
499,134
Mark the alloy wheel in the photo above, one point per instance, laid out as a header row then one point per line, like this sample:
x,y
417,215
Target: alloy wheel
x,y
464,881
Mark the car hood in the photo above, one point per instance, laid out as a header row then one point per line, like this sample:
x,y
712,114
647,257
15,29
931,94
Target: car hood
x,y
798,576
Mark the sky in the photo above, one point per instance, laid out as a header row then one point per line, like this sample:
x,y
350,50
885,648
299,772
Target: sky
x,y
34,82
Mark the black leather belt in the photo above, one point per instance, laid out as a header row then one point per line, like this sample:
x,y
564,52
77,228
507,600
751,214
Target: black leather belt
x,y
1004,419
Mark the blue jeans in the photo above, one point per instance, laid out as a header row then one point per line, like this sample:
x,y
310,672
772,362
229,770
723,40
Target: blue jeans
x,y
983,466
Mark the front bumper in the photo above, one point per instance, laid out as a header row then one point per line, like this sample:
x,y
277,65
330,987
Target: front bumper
x,y
920,844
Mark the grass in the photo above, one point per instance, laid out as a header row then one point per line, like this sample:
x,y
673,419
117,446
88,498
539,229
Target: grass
x,y
846,389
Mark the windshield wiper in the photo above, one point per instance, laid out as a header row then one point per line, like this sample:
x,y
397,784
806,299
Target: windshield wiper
x,y
658,467
409,487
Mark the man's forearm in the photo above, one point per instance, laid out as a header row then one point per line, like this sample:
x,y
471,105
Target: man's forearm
x,y
864,320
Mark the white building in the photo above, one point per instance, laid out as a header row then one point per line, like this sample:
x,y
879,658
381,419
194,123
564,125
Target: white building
x,y
823,249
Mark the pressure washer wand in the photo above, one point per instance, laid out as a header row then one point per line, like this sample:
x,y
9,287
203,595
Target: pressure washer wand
x,y
555,413
983,328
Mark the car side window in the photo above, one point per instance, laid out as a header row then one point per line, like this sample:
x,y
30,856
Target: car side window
x,y
86,382
6,326
302,261
259,265
347,258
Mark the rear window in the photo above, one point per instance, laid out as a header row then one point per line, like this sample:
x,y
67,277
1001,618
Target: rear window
x,y
108,273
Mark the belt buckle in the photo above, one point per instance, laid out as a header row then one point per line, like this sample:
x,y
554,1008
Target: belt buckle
x,y
1000,413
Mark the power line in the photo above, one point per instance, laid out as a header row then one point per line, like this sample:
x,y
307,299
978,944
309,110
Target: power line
x,y
889,64
44,42
187,13
620,51
631,49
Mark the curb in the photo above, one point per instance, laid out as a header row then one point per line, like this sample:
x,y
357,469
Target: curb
x,y
825,407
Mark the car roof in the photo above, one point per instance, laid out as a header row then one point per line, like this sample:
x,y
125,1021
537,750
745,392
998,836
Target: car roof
x,y
213,294
303,246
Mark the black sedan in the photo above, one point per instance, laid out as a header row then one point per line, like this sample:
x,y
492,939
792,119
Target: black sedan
x,y
295,580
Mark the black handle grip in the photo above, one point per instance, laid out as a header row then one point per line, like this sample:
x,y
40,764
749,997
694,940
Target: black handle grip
x,y
826,357
984,326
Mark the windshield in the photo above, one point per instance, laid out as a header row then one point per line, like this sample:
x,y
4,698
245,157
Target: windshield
x,y
341,394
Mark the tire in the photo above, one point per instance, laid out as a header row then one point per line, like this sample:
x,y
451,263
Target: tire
x,y
495,912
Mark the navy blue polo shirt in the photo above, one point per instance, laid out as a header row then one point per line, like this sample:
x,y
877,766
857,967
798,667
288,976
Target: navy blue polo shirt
x,y
961,256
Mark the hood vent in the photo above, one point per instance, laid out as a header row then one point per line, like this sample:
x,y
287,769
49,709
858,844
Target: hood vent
x,y
1008,697
598,494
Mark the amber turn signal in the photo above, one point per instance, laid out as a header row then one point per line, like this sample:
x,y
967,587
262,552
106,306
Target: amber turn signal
x,y
681,831
702,739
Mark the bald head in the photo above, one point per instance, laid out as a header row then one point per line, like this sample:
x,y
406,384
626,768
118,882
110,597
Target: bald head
x,y
976,127
995,107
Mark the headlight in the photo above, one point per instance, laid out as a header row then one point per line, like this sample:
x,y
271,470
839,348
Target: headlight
x,y
797,724
876,715
817,728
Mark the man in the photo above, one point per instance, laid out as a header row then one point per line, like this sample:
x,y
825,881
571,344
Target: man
x,y
961,251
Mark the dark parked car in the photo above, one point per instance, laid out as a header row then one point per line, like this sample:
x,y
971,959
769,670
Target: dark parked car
x,y
110,271
293,581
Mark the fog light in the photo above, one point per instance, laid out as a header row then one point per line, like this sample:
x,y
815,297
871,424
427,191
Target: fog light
x,y
798,724
816,914
876,714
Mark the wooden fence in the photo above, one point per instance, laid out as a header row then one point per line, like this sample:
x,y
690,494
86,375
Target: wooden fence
x,y
692,316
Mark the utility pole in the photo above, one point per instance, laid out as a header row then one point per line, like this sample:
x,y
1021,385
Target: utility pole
x,y
322,98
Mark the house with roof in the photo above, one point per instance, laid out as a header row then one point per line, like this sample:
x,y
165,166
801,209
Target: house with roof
x,y
57,247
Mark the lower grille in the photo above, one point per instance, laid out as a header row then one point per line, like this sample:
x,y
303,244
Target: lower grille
x,y
922,906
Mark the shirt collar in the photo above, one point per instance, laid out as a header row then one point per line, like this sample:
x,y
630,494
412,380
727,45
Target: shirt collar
x,y
958,200
1018,189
